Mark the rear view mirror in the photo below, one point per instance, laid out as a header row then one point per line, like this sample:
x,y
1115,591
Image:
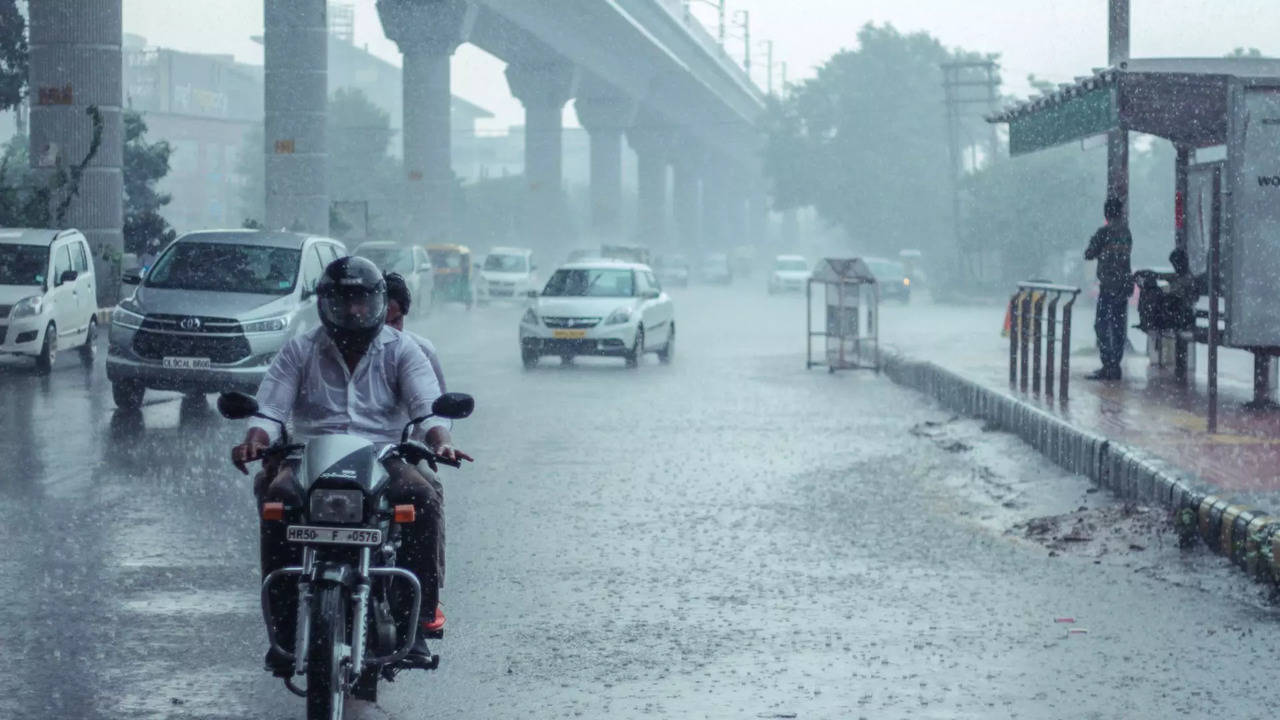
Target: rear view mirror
x,y
68,276
237,405
454,406
131,278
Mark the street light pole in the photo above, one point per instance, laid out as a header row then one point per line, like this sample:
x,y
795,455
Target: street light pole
x,y
769,59
1118,140
719,6
742,19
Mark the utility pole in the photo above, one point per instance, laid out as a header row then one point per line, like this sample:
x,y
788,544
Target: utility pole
x,y
769,59
784,77
956,77
742,19
1118,140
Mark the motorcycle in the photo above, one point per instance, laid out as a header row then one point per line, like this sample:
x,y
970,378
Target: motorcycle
x,y
346,638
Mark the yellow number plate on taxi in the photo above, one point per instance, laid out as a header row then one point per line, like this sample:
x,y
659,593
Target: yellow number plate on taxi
x,y
568,334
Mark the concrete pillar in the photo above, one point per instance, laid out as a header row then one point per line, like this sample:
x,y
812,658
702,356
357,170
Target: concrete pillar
x,y
652,151
295,81
76,63
758,213
714,205
427,35
735,208
686,194
604,115
544,88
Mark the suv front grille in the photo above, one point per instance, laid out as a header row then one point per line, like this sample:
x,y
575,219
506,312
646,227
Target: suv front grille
x,y
219,339
571,322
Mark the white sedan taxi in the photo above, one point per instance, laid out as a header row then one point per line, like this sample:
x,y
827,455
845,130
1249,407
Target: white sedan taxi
x,y
599,307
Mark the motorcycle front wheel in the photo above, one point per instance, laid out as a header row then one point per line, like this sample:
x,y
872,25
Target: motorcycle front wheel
x,y
328,656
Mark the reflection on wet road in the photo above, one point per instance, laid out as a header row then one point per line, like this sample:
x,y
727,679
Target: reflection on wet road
x,y
727,536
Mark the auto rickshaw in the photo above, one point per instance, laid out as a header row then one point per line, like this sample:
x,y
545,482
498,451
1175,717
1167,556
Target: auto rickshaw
x,y
455,274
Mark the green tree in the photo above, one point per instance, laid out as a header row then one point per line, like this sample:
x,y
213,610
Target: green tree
x,y
145,164
865,143
28,201
13,55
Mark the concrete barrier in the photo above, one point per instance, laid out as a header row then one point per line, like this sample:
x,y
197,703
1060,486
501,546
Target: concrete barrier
x,y
1248,537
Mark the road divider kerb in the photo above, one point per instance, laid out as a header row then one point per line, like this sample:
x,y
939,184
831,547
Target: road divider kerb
x,y
1248,537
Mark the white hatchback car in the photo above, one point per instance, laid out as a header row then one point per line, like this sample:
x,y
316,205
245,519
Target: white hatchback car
x,y
790,273
600,307
507,274
48,297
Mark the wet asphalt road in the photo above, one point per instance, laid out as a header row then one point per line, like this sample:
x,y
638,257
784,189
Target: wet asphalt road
x,y
728,537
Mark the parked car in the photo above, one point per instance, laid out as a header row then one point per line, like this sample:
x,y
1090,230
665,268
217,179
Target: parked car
x,y
213,312
507,274
790,273
602,307
671,270
455,274
716,269
891,277
411,261
48,295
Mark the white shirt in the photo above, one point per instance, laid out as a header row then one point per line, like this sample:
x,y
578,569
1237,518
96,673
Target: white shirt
x,y
429,350
309,384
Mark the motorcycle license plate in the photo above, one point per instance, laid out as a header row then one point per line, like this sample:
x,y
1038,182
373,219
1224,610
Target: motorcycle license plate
x,y
333,536
185,363
568,334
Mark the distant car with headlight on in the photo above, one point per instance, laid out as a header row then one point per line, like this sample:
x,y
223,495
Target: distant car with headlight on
x,y
603,308
891,277
790,273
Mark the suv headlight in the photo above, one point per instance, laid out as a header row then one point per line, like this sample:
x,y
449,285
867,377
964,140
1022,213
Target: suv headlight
x,y
275,324
126,314
530,317
28,307
619,316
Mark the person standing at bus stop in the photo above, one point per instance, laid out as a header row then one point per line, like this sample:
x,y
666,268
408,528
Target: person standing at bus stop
x,y
1111,246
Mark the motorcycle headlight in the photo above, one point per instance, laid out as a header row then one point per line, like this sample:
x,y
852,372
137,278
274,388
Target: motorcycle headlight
x,y
28,307
275,324
530,317
336,506
619,316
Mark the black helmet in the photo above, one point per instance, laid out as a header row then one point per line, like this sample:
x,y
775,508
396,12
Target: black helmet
x,y
352,302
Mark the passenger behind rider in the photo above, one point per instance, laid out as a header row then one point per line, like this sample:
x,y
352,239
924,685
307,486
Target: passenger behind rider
x,y
353,375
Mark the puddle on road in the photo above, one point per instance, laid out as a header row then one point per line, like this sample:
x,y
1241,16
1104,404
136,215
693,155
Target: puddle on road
x,y
196,602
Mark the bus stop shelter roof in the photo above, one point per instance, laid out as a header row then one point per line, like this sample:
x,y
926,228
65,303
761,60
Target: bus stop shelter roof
x,y
843,270
1183,100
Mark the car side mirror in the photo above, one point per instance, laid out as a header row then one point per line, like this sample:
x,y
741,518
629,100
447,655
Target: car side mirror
x,y
237,405
68,276
454,406
131,278
308,292
651,294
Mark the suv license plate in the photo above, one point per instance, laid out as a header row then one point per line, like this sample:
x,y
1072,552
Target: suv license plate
x,y
185,363
333,536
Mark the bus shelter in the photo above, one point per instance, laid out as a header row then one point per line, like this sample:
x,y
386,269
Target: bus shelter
x,y
849,313
1223,117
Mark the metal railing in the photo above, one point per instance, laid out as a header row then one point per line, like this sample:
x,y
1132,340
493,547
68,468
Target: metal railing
x,y
1034,342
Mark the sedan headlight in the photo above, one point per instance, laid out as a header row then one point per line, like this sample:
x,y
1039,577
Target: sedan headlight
x,y
275,324
619,316
530,317
28,307
336,506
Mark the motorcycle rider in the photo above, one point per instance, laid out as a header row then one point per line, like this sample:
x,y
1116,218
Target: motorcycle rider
x,y
351,375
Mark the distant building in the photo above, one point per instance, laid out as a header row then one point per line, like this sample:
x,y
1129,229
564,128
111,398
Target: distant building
x,y
206,106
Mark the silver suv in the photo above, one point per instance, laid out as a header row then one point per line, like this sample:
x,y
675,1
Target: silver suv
x,y
213,310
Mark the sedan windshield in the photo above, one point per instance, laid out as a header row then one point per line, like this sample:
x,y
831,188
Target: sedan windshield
x,y
505,263
887,269
388,259
23,264
223,267
590,282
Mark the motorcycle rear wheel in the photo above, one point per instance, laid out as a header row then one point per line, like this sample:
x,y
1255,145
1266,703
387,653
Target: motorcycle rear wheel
x,y
327,657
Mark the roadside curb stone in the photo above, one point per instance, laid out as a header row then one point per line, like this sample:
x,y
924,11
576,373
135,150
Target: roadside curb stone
x,y
1248,537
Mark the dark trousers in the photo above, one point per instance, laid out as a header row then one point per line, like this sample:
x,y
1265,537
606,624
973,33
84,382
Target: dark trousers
x,y
421,550
1110,325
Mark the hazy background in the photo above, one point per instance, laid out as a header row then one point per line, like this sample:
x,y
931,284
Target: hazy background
x,y
1055,39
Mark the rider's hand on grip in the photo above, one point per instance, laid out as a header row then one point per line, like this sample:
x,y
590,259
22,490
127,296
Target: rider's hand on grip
x,y
255,443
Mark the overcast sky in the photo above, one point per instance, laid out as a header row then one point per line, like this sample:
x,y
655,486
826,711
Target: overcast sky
x,y
1056,39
